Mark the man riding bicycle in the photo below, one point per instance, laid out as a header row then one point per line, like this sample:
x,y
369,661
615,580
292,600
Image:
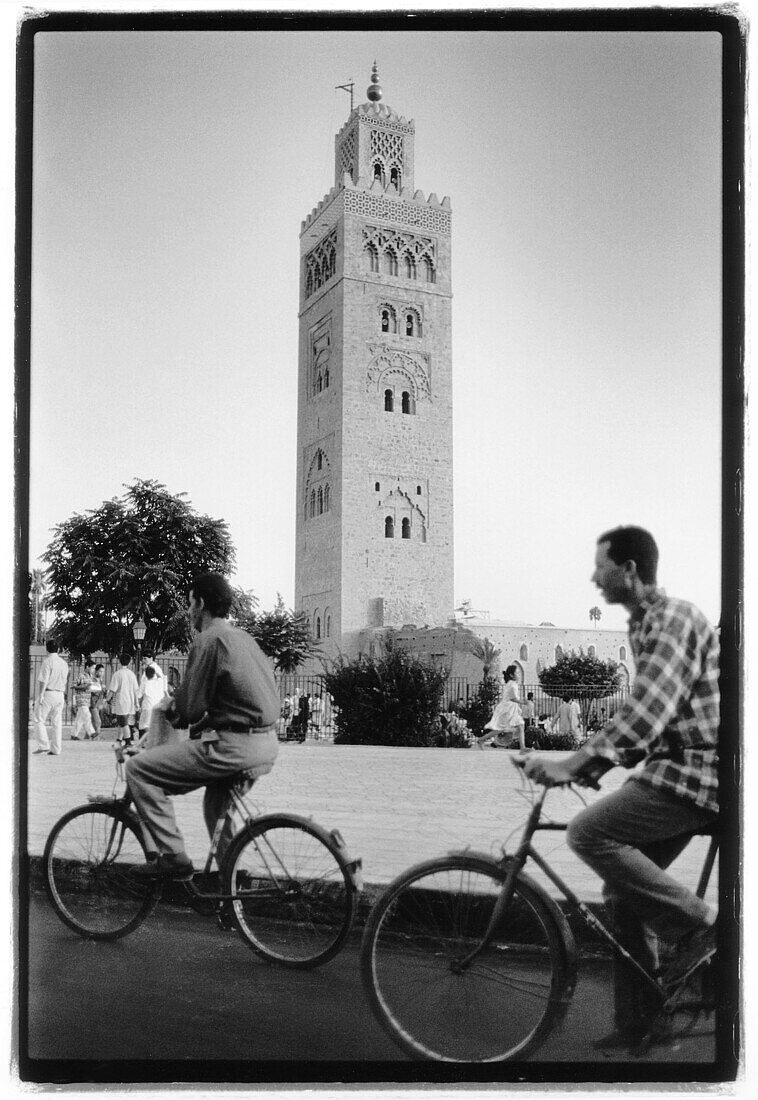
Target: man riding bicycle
x,y
669,725
230,701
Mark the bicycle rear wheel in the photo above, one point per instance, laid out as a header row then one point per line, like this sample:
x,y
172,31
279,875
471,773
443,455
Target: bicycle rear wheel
x,y
86,866
496,1007
296,894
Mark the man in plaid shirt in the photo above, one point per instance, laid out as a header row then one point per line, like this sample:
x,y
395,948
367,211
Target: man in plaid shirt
x,y
669,726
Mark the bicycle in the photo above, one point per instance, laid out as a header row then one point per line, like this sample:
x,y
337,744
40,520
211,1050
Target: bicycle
x,y
467,958
288,886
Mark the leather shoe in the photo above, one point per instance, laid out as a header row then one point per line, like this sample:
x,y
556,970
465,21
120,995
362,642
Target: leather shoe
x,y
692,951
179,868
636,1035
41,752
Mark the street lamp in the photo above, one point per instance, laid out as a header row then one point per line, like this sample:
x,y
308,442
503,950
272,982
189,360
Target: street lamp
x,y
138,633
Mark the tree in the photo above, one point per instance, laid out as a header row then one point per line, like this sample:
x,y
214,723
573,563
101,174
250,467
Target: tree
x,y
281,634
595,615
478,710
132,558
485,652
37,590
584,678
390,699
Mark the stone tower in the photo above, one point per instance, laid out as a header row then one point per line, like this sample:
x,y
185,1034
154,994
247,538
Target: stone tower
x,y
374,435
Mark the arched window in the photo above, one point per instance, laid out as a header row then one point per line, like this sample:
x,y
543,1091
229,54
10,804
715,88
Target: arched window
x,y
320,498
389,401
373,257
313,503
385,320
395,177
558,653
328,625
377,486
326,379
427,270
406,402
409,324
622,652
389,528
409,265
406,528
418,490
379,171
423,533
318,627
523,653
319,384
591,652
319,460
326,498
309,288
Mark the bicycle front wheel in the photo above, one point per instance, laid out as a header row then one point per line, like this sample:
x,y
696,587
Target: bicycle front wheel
x,y
295,894
428,992
86,866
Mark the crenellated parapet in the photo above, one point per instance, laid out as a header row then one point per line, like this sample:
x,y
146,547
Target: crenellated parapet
x,y
373,199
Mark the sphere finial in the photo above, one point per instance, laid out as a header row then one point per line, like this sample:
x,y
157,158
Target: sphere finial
x,y
374,91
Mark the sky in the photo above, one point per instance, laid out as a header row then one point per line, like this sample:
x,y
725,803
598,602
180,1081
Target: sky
x,y
171,174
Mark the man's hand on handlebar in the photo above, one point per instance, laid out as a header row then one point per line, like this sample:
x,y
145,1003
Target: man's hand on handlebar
x,y
550,773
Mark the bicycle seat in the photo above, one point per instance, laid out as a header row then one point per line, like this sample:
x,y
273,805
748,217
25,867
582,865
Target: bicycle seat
x,y
248,776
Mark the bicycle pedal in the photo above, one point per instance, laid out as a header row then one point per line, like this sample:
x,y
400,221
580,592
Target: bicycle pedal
x,y
224,919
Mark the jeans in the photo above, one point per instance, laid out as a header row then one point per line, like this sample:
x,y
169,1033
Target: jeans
x,y
628,839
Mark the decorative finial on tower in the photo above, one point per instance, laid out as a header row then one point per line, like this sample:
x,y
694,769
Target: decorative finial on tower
x,y
374,91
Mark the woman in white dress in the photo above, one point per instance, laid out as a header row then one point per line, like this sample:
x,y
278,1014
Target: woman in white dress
x,y
506,726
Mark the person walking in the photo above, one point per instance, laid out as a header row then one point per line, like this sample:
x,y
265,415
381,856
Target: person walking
x,y
568,720
668,730
123,696
52,681
230,701
96,699
82,728
152,688
506,726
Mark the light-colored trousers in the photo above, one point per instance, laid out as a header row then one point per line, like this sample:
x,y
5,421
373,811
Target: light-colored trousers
x,y
629,838
153,775
50,709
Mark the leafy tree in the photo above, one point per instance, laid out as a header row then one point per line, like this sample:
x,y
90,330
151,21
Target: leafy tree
x,y
584,678
595,615
132,558
392,699
478,710
281,634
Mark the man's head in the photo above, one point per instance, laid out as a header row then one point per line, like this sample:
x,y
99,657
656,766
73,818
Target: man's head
x,y
51,647
150,672
626,561
210,594
124,659
89,665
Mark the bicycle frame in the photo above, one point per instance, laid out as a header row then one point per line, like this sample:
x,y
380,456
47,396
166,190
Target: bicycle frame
x,y
515,864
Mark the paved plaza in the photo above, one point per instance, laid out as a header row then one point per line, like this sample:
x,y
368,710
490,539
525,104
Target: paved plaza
x,y
393,806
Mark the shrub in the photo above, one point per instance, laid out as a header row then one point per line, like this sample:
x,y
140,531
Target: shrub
x,y
480,706
393,699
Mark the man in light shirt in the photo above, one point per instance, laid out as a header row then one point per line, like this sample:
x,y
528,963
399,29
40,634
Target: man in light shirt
x,y
50,697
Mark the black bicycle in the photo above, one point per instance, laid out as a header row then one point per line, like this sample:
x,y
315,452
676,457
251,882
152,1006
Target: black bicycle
x,y
286,884
466,958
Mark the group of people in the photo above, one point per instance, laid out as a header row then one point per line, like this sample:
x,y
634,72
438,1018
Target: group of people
x,y
667,730
130,701
304,715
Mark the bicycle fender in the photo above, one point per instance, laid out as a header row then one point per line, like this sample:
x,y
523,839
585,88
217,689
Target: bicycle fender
x,y
334,837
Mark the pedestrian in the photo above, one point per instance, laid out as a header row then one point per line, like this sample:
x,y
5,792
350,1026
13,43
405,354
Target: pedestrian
x,y
303,713
96,699
317,713
669,725
527,712
82,728
123,696
229,699
568,721
52,681
150,662
285,714
506,726
152,690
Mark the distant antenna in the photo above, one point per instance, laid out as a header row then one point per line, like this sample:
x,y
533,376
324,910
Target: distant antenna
x,y
346,88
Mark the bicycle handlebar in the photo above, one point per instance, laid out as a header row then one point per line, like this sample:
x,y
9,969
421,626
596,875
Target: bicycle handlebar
x,y
519,762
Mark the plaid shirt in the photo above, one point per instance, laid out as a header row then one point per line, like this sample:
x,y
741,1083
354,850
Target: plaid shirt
x,y
671,719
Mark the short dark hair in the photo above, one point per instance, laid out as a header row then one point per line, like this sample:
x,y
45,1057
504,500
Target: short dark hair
x,y
89,663
99,666
51,647
215,592
124,658
633,544
150,672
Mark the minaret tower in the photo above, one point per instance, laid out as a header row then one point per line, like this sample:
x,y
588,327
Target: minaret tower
x,y
374,438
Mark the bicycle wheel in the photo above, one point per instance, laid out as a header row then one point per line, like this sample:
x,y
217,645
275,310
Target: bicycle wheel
x,y
297,897
86,868
498,1006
